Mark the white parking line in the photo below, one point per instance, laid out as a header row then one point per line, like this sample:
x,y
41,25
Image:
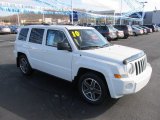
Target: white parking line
x,y
2,40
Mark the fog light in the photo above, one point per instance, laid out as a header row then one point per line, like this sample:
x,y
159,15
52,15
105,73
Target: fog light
x,y
129,86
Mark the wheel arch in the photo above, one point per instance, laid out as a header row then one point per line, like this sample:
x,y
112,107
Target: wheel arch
x,y
83,70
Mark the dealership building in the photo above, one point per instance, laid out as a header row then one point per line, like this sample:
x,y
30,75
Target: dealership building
x,y
152,17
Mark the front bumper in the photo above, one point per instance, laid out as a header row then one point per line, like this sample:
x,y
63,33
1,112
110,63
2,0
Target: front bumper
x,y
132,85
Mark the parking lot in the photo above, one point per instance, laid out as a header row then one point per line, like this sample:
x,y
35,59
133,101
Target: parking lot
x,y
44,97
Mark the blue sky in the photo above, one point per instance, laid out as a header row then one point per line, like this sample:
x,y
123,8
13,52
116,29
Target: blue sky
x,y
90,4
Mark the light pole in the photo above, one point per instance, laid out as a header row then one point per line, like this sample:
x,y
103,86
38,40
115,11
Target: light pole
x,y
114,19
72,11
121,12
143,12
18,19
43,19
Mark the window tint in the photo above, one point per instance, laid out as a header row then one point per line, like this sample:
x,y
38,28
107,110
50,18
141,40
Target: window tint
x,y
118,27
97,28
104,27
36,36
23,34
55,36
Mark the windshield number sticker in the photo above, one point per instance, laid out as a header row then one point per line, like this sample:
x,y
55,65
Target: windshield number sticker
x,y
75,33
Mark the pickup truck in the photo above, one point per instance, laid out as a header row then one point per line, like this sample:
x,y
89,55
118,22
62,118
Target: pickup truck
x,y
82,55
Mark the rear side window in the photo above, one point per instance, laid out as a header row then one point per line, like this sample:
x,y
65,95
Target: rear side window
x,y
23,34
36,35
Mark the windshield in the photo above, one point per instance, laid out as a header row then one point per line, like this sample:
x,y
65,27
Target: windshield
x,y
111,27
88,39
138,27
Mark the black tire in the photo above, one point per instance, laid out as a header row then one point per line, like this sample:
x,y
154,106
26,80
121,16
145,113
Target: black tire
x,y
134,34
24,65
126,37
96,95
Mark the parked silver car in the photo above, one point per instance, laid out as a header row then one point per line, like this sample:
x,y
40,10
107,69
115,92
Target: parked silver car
x,y
120,33
137,31
144,30
149,30
5,30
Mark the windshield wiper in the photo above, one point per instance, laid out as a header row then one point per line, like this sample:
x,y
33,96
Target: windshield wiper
x,y
89,47
105,45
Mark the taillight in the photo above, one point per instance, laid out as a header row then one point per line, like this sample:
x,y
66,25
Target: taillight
x,y
107,33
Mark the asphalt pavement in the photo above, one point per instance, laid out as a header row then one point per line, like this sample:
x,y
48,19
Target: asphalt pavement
x,y
44,97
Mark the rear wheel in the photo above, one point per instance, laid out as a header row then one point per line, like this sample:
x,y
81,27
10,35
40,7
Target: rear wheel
x,y
126,36
92,88
24,65
134,34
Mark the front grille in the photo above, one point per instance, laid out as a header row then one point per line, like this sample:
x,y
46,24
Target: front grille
x,y
140,65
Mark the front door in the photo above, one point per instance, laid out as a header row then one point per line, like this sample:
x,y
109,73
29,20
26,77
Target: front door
x,y
57,62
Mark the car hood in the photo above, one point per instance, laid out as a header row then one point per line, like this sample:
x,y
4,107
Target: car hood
x,y
115,53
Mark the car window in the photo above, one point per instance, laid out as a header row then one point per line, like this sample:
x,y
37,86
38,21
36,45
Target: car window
x,y
119,27
98,28
55,36
104,28
36,35
87,38
23,34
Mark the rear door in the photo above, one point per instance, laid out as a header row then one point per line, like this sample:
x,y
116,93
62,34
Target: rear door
x,y
20,43
35,48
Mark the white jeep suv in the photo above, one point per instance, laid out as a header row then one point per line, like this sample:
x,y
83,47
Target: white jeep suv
x,y
82,55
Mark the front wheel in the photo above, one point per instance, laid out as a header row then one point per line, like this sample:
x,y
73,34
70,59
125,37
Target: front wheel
x,y
92,88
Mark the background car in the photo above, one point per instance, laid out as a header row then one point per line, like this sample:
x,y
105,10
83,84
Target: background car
x,y
107,31
137,31
153,27
120,33
157,28
127,29
144,30
14,29
149,30
5,30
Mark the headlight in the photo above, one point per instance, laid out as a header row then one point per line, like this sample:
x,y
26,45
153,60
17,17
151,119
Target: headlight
x,y
130,68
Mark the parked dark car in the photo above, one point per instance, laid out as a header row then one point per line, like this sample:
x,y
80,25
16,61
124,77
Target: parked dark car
x,y
127,29
154,29
106,31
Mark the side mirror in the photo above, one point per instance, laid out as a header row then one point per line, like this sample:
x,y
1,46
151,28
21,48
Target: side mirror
x,y
63,46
